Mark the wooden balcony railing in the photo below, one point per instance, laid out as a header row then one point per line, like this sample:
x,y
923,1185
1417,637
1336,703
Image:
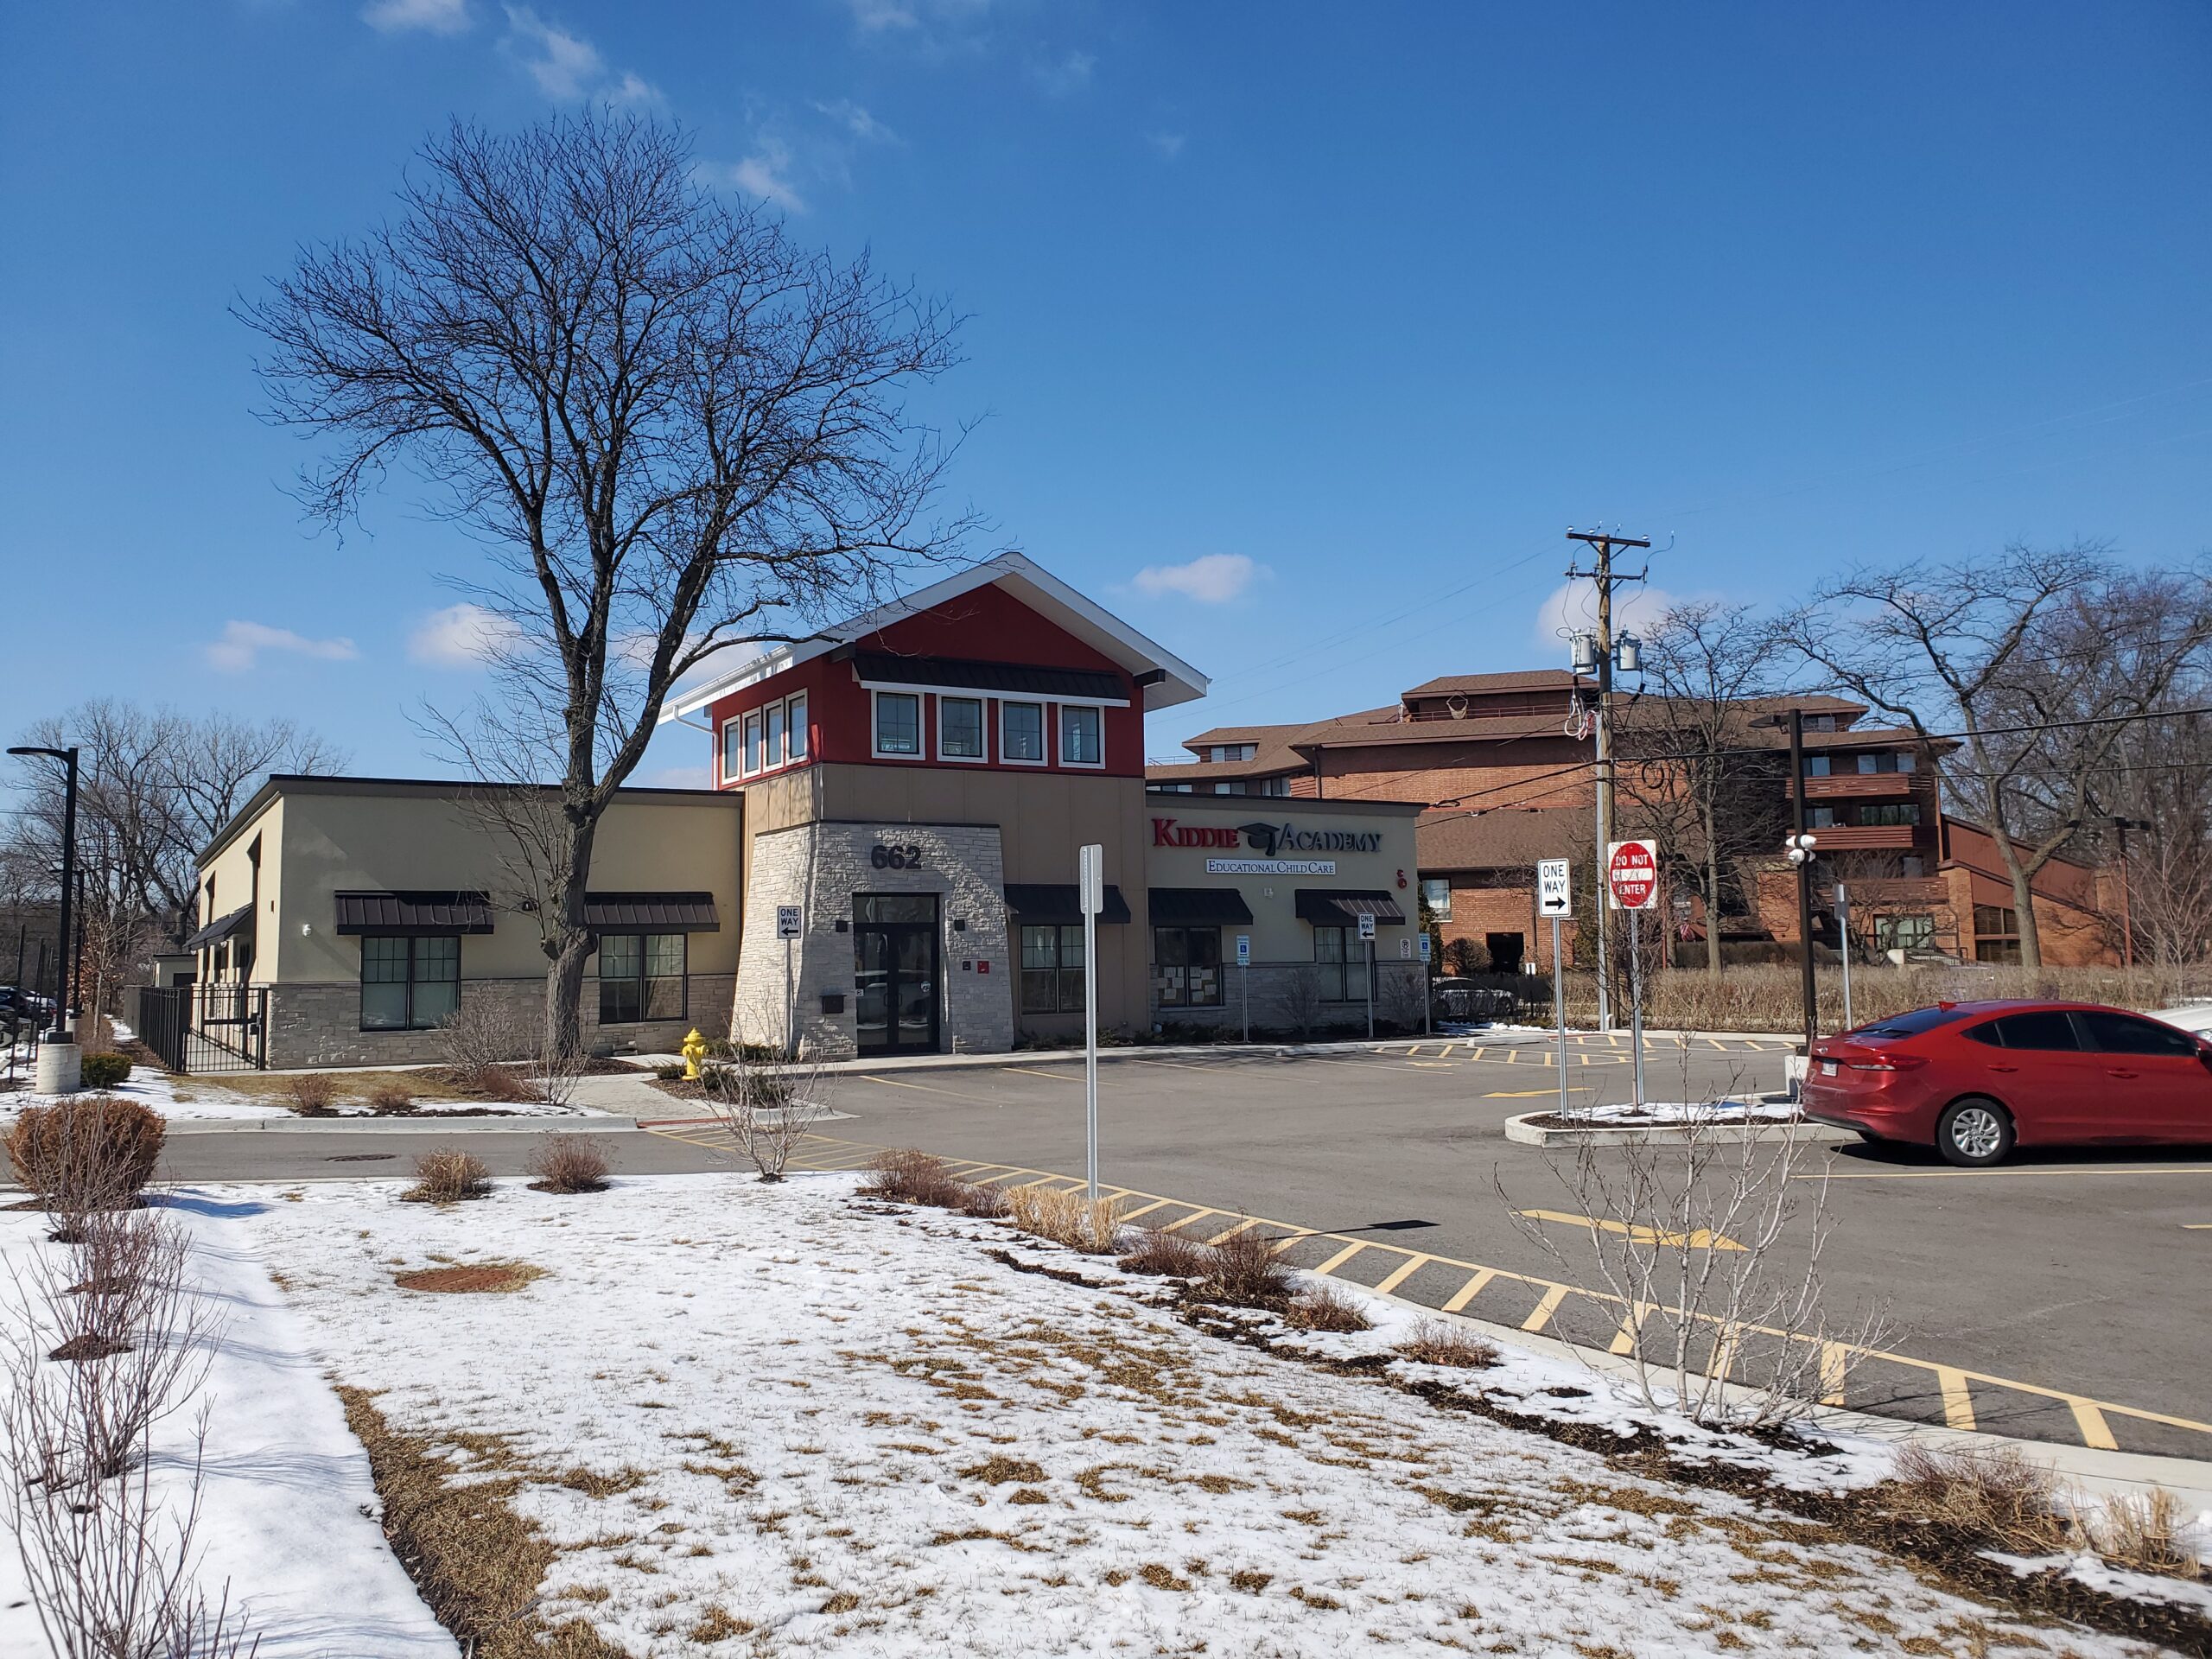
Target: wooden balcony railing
x,y
1862,786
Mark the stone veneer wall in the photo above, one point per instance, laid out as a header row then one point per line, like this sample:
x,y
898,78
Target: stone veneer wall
x,y
319,1025
819,868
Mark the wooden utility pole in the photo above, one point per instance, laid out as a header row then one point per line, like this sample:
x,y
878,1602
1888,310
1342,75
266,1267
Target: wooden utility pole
x,y
1605,576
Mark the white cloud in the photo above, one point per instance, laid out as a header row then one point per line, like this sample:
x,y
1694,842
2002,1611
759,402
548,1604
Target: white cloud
x,y
1573,606
461,636
858,121
932,21
766,174
242,644
1065,76
1168,144
567,66
1211,578
433,16
632,88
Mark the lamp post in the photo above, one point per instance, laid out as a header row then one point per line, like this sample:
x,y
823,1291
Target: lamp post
x,y
64,1016
1798,848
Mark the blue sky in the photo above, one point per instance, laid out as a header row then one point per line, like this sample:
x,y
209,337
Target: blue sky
x,y
1331,319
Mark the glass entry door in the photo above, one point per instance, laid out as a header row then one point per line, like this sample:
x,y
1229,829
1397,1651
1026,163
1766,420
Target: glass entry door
x,y
898,987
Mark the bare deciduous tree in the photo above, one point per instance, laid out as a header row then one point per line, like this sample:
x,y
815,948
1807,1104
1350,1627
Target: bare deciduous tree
x,y
673,429
1978,644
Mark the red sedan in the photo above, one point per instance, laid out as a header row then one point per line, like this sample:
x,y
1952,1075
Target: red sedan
x,y
1975,1079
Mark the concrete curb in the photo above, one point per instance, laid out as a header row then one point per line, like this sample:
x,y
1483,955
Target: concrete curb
x,y
471,1124
1525,1131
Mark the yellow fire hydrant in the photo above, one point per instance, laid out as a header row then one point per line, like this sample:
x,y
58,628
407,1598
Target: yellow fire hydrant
x,y
694,1051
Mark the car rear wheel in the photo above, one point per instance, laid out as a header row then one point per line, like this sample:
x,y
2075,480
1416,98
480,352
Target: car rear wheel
x,y
1975,1132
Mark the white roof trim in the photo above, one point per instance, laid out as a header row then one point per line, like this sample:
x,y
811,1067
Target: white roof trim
x,y
1183,683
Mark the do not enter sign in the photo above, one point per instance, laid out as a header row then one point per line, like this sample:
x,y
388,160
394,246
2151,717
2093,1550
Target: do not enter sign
x,y
1632,874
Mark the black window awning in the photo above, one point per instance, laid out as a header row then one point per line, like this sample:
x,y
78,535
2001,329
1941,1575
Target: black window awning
x,y
1335,908
219,930
1042,903
997,679
651,912
444,912
1188,907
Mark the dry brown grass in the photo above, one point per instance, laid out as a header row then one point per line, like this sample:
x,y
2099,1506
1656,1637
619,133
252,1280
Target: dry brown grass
x,y
1245,1271
914,1177
1434,1343
311,1094
1327,1307
1172,1255
984,1203
2141,1532
427,1083
478,1278
569,1163
1996,1498
390,1098
476,1561
1064,1216
448,1175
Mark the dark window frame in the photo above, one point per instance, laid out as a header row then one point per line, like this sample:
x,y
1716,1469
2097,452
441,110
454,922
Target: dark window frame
x,y
1185,933
639,985
1066,981
412,963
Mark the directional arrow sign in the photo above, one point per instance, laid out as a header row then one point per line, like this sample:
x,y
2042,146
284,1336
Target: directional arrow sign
x,y
1632,874
1554,896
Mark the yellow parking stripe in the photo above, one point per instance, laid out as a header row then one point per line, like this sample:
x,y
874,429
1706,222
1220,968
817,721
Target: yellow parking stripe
x,y
1342,1256
1957,1404
1468,1291
1403,1272
2090,1424
1195,1215
1049,1076
1219,1238
1835,1367
1545,1309
1147,1209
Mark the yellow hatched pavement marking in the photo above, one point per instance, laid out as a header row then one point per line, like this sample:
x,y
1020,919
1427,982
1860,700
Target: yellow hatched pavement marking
x,y
1146,1209
1699,1239
1049,1076
1545,1309
2091,1417
1199,1214
1342,1256
1957,1404
1402,1272
1835,1368
1468,1291
1248,1221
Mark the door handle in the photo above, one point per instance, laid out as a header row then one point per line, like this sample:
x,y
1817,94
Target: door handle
x,y
2115,1072
2005,1068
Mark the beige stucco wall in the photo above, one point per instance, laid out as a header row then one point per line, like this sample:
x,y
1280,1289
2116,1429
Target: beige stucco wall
x,y
231,871
346,836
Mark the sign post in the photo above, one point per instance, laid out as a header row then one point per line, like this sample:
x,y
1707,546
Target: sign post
x,y
1091,882
1428,987
1367,936
1843,947
1555,899
787,930
1632,884
1244,981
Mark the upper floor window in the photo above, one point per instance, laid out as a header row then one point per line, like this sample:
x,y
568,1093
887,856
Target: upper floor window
x,y
960,728
1817,765
732,753
1436,897
1887,760
771,752
1022,731
765,739
897,723
796,747
1080,737
752,742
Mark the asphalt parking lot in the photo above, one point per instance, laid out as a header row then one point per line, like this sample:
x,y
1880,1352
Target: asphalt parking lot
x,y
2064,1297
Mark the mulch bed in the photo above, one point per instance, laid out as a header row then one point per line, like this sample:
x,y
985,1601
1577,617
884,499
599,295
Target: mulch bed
x,y
89,1346
469,1281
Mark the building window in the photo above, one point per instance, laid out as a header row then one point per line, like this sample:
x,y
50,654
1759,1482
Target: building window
x,y
1890,812
1996,934
897,723
960,728
1887,760
733,752
795,742
1079,737
1341,958
1819,723
410,984
1904,932
771,752
753,742
1436,897
641,977
1022,731
1051,969
1817,765
1186,967
1822,817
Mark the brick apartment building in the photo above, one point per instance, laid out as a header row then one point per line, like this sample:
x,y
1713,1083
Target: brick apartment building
x,y
1503,762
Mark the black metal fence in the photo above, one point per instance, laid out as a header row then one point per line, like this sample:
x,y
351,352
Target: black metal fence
x,y
1519,999
204,1029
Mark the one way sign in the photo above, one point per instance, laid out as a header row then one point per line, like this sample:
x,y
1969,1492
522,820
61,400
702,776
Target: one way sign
x,y
1555,895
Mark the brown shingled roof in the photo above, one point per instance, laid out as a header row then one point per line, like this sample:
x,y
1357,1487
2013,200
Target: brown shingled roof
x,y
1505,838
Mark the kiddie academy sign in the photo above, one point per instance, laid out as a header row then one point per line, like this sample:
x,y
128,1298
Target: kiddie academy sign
x,y
1268,840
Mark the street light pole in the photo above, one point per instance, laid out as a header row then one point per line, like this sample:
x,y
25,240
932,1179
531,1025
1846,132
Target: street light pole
x,y
63,1015
1804,871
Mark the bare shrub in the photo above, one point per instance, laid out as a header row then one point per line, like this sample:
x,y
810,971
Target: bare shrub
x,y
1327,1307
984,1203
913,1177
1300,1002
479,1038
1244,1271
1172,1255
1434,1343
1712,1249
1403,997
551,1080
91,1153
1064,1216
2142,1533
1999,1497
569,1163
311,1094
448,1175
503,1084
390,1098
766,1110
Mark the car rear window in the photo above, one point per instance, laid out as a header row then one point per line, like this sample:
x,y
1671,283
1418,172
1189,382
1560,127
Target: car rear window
x,y
2051,1029
1905,1025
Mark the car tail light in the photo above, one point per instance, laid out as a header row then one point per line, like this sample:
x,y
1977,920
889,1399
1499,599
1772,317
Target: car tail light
x,y
1889,1063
